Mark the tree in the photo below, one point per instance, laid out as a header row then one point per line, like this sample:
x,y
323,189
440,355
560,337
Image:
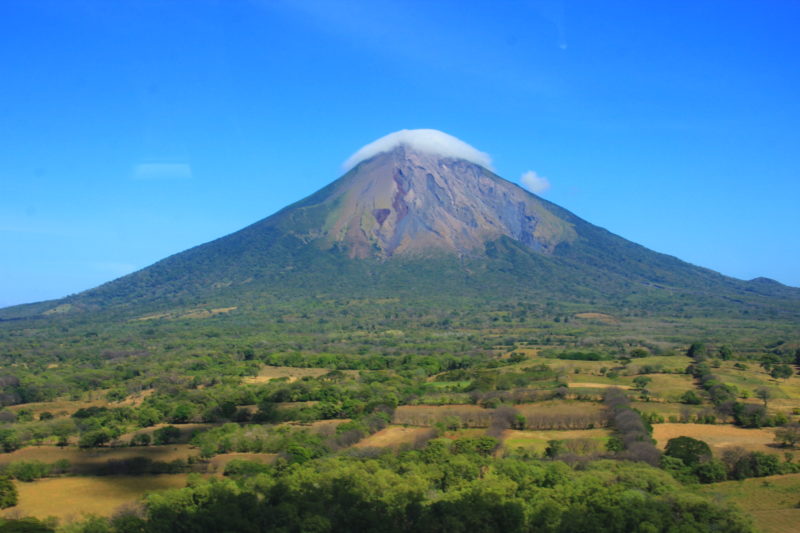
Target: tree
x,y
141,439
769,361
94,438
166,435
764,395
697,350
641,382
782,372
725,352
789,435
8,493
691,451
690,397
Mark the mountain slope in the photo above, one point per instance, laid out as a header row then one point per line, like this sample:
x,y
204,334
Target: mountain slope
x,y
411,221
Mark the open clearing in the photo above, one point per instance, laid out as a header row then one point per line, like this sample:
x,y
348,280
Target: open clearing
x,y
771,501
594,385
87,461
392,437
427,415
59,408
719,436
268,373
536,441
218,462
598,317
68,498
187,430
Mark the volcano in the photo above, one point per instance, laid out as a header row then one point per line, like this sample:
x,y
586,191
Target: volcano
x,y
420,212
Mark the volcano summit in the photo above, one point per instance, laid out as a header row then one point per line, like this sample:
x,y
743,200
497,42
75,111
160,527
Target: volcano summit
x,y
420,212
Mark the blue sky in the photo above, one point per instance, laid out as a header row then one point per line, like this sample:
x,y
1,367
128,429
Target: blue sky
x,y
135,130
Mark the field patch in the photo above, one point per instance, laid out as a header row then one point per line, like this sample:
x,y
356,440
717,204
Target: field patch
x,y
217,463
89,461
719,436
187,431
59,408
771,501
594,385
428,415
68,498
393,437
188,313
268,373
563,415
598,317
581,442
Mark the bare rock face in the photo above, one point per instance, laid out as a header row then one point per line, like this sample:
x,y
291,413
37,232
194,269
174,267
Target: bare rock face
x,y
407,202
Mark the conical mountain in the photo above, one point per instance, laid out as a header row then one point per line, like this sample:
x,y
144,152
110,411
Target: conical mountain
x,y
420,213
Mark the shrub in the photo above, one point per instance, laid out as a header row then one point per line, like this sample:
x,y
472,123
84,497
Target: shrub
x,y
166,435
8,493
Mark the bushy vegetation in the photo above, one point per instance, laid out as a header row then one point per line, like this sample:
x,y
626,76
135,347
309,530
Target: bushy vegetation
x,y
445,486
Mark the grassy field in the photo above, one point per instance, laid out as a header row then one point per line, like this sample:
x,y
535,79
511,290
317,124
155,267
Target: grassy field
x,y
187,430
61,407
392,437
719,436
268,373
218,462
69,498
536,441
667,387
427,415
771,501
86,461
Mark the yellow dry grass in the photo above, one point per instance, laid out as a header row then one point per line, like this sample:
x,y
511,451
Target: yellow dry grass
x,y
69,498
268,373
187,430
719,436
84,461
392,437
218,462
189,313
598,317
594,385
59,408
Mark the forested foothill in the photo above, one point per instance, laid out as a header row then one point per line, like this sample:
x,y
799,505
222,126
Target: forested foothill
x,y
396,415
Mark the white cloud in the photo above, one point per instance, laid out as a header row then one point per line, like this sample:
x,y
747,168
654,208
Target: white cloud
x,y
430,141
162,171
534,182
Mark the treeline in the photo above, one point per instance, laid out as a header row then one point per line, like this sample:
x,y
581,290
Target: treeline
x,y
691,460
632,433
724,396
468,416
447,486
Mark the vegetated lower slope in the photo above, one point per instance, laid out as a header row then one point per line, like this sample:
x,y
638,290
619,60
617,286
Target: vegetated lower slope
x,y
412,225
